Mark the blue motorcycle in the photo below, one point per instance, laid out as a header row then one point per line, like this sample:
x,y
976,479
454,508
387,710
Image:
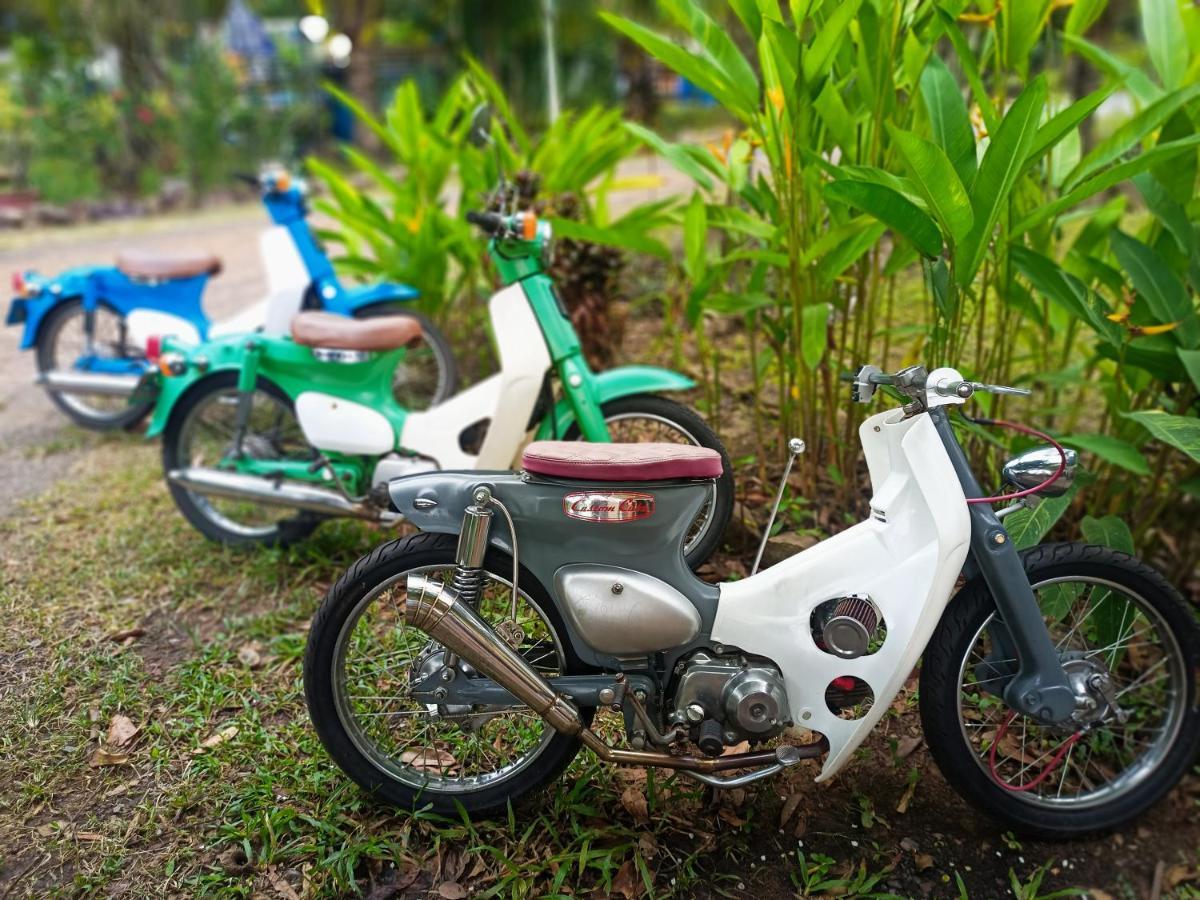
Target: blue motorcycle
x,y
90,325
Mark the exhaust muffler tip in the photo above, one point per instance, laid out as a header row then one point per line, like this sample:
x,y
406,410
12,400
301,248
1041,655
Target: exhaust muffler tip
x,y
427,602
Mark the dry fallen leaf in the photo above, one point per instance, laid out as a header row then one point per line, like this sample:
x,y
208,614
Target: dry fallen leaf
x,y
924,861
907,745
102,757
743,747
790,805
217,737
647,845
729,816
906,797
625,883
121,731
122,636
635,803
429,759
451,890
250,655
280,884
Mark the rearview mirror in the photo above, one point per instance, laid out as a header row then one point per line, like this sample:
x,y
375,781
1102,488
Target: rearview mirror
x,y
480,131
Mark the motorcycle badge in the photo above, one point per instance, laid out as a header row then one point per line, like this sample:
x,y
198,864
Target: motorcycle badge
x,y
608,506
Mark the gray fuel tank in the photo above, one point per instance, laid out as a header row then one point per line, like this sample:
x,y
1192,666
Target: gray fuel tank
x,y
622,612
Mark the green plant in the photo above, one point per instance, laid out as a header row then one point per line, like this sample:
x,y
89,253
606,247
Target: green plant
x,y
868,162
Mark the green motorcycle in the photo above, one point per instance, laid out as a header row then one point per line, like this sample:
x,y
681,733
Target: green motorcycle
x,y
264,436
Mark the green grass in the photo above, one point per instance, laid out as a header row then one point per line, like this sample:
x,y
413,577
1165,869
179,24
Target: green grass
x,y
266,812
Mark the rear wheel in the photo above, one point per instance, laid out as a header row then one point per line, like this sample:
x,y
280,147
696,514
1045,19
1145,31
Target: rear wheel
x,y
201,434
647,417
63,346
361,657
428,375
1130,648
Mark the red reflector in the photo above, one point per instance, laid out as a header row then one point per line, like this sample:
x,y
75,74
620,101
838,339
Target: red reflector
x,y
18,283
843,683
153,347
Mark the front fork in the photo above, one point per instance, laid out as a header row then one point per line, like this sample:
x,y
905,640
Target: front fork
x,y
579,386
1040,687
247,382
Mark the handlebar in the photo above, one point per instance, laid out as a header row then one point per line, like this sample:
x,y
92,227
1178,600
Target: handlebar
x,y
490,222
246,178
914,382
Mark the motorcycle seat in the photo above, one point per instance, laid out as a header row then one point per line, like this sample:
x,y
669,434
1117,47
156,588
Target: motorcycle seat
x,y
165,266
620,462
324,329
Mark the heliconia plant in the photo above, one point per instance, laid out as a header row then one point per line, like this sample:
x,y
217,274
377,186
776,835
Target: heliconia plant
x,y
876,139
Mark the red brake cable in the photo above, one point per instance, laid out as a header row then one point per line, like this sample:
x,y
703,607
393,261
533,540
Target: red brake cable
x,y
1057,758
1032,432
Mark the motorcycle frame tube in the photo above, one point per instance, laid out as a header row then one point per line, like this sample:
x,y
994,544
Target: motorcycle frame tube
x,y
1040,687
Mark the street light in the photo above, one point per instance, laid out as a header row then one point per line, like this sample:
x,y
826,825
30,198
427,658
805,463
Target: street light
x,y
314,28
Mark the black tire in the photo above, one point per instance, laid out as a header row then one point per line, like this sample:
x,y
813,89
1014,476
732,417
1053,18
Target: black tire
x,y
690,423
939,692
50,329
288,531
431,335
385,562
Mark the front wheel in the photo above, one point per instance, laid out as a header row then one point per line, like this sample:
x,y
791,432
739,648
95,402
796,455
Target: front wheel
x,y
362,656
1131,650
646,417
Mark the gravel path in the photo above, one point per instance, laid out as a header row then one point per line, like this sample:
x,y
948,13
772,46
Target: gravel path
x,y
38,445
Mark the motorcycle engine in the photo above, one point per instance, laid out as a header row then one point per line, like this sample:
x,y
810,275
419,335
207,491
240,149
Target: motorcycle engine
x,y
723,700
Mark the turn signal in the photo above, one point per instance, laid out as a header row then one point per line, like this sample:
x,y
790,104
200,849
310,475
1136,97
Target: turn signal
x,y
529,226
172,364
153,347
283,181
18,284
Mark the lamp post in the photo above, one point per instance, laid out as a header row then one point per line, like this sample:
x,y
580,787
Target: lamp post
x,y
552,106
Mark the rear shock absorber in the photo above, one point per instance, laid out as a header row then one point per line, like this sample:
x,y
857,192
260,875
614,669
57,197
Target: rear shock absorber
x,y
472,547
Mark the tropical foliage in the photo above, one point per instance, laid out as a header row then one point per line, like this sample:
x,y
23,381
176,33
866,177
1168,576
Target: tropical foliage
x,y
877,139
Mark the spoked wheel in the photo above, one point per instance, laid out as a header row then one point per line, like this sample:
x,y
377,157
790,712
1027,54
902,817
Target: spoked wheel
x,y
202,434
645,418
361,658
63,346
428,375
1129,647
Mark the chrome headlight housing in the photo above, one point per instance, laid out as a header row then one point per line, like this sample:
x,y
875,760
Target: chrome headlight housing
x,y
1031,468
546,239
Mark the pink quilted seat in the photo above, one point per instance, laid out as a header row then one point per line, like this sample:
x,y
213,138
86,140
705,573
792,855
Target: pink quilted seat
x,y
620,462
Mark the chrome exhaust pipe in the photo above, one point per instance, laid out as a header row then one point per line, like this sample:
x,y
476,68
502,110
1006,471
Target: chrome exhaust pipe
x,y
437,610
97,383
238,486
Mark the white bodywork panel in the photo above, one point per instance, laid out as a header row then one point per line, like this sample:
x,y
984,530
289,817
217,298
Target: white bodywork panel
x,y
287,280
906,557
331,423
507,398
148,323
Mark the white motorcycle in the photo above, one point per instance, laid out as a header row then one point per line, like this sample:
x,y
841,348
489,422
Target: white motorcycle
x,y
463,665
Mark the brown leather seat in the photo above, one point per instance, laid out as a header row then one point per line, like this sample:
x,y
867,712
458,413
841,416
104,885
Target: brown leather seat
x,y
324,329
621,462
159,266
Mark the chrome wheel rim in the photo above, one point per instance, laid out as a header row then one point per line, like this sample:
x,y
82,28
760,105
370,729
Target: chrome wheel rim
x,y
1109,759
207,440
68,342
637,427
435,749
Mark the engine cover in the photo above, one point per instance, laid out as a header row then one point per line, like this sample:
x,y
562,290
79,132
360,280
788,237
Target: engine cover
x,y
746,696
622,612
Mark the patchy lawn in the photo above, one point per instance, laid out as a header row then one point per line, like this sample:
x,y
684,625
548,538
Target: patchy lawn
x,y
154,741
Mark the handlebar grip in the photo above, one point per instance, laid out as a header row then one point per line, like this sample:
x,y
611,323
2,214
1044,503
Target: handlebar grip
x,y
492,223
247,178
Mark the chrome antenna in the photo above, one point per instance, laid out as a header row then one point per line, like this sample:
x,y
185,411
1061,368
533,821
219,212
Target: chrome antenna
x,y
795,448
